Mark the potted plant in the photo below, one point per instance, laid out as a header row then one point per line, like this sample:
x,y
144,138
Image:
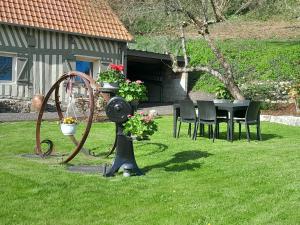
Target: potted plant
x,y
68,126
133,91
111,77
294,93
141,126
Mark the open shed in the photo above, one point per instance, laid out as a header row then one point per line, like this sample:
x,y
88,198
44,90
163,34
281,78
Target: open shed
x,y
155,70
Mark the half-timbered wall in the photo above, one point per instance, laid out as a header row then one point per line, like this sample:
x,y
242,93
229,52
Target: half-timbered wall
x,y
43,56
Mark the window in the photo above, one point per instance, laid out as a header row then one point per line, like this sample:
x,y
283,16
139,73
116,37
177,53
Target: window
x,y
84,67
6,68
87,65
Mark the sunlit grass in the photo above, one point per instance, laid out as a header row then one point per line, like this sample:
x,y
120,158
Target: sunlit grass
x,y
185,182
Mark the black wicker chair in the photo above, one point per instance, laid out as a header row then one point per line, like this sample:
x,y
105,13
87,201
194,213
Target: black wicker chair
x,y
187,115
207,114
252,117
241,113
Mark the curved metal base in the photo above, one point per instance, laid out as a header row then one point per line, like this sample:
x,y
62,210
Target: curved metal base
x,y
124,155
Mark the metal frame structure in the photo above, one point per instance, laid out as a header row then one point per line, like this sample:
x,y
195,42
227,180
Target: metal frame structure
x,y
90,85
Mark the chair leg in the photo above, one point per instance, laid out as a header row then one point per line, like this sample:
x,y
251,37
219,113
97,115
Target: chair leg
x,y
201,129
228,130
195,131
178,129
258,132
215,132
189,130
217,129
240,131
209,131
247,132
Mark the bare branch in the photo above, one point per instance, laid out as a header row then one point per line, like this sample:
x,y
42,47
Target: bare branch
x,y
183,45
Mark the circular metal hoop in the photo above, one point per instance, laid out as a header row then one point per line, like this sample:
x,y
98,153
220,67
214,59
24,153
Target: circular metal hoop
x,y
90,84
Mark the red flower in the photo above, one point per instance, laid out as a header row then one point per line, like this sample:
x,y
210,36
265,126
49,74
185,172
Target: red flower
x,y
129,116
127,81
116,67
139,82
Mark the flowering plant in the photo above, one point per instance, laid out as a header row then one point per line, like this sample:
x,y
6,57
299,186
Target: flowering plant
x,y
133,90
140,125
295,91
114,74
69,120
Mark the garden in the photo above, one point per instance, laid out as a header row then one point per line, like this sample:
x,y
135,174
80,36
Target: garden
x,y
185,182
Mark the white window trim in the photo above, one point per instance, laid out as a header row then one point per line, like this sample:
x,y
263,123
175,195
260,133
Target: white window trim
x,y
14,67
94,60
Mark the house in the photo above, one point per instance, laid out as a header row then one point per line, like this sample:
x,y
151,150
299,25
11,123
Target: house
x,y
40,40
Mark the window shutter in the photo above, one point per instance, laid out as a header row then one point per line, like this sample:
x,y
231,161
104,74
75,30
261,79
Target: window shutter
x,y
23,75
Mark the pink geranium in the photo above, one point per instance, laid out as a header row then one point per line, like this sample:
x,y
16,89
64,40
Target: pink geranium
x,y
139,82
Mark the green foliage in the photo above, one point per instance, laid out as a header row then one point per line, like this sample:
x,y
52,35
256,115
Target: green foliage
x,y
133,90
251,60
222,92
159,44
114,74
140,125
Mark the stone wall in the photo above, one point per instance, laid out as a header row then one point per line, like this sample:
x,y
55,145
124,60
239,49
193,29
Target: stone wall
x,y
14,106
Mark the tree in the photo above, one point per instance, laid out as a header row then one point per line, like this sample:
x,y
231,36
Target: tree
x,y
225,76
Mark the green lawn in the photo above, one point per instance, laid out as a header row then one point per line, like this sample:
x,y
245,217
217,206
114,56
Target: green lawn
x,y
186,182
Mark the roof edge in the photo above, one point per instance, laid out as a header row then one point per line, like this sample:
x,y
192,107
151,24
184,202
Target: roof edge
x,y
66,32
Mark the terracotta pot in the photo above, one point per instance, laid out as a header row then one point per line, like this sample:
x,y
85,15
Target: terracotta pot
x,y
106,96
36,102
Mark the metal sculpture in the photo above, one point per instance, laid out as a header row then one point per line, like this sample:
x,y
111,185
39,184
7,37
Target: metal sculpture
x,y
117,110
90,85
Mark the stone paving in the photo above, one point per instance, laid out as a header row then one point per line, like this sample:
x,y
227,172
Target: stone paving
x,y
10,117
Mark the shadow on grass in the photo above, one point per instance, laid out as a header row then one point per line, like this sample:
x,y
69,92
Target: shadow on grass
x,y
179,162
158,147
265,137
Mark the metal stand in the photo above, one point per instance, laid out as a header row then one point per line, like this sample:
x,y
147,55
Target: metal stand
x,y
124,155
117,111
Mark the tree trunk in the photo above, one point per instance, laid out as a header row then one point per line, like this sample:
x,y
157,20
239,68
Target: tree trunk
x,y
218,15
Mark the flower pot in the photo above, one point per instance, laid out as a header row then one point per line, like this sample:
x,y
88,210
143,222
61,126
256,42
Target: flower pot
x,y
110,85
68,129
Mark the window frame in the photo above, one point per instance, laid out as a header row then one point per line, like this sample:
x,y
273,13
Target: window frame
x,y
94,60
14,67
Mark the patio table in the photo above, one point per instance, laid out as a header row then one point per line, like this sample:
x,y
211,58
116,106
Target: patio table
x,y
231,108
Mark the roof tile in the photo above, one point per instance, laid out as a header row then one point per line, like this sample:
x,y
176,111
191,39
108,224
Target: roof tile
x,y
75,16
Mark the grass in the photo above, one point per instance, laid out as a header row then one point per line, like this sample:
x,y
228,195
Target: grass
x,y
186,182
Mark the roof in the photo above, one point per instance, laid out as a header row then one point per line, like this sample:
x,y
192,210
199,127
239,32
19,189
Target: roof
x,y
86,17
151,55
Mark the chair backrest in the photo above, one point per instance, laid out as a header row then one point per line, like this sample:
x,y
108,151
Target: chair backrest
x,y
252,112
206,110
187,109
246,101
222,101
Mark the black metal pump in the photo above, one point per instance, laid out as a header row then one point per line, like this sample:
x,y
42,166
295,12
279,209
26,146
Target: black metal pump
x,y
117,111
